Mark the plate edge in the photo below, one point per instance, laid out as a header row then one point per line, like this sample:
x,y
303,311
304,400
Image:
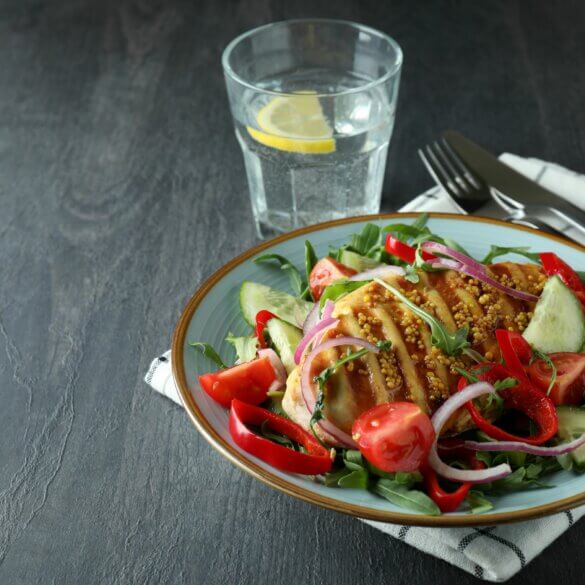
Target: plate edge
x,y
266,477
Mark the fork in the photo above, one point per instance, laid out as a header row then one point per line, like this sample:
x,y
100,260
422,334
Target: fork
x,y
466,189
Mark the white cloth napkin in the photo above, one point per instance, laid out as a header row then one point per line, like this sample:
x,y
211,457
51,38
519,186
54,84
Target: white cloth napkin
x,y
495,553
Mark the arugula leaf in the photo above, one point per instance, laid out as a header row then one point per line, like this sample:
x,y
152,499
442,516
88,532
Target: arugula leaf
x,y
450,343
355,479
484,457
533,470
210,353
477,502
494,399
277,438
421,221
337,290
516,481
332,478
352,458
408,479
367,240
471,377
310,261
496,251
474,355
318,412
505,383
404,231
514,459
296,280
537,354
411,274
404,497
245,347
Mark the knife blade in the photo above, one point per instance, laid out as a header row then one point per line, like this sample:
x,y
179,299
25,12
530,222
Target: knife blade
x,y
535,199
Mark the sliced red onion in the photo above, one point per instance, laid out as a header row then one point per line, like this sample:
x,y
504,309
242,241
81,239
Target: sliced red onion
x,y
278,366
320,327
340,437
380,271
526,448
327,314
443,414
446,263
462,263
328,309
484,277
312,318
455,254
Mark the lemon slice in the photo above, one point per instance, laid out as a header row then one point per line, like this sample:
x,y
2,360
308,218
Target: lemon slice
x,y
294,123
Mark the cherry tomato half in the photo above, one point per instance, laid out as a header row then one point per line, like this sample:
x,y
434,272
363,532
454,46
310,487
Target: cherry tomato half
x,y
324,273
395,436
569,387
248,382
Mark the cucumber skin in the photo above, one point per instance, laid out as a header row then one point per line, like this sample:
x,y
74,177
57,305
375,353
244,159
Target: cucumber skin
x,y
356,261
285,338
304,306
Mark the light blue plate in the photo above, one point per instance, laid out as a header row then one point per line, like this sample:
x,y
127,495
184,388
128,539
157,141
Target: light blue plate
x,y
214,311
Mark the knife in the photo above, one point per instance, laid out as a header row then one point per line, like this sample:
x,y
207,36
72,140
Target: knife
x,y
519,191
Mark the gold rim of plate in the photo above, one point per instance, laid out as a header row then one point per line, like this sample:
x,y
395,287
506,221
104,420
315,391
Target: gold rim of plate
x,y
269,478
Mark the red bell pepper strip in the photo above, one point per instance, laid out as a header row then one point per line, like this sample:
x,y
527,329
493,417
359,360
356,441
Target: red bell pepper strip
x,y
262,318
315,461
515,350
523,397
450,501
552,265
403,251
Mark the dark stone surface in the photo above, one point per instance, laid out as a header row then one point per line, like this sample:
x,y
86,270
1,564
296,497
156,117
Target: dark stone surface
x,y
121,188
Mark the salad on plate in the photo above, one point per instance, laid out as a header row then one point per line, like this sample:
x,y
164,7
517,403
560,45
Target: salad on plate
x,y
403,366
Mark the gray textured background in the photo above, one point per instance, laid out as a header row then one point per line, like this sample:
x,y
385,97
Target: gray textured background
x,y
121,188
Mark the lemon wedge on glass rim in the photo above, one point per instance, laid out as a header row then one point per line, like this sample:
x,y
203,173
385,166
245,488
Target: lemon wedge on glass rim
x,y
294,123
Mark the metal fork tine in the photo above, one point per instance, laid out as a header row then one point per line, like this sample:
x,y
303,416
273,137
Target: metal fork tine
x,y
438,172
464,169
454,173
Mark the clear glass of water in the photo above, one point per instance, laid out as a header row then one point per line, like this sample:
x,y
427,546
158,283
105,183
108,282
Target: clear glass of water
x,y
313,103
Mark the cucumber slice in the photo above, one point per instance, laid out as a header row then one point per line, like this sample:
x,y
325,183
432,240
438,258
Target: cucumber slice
x,y
285,338
558,323
255,297
572,426
356,261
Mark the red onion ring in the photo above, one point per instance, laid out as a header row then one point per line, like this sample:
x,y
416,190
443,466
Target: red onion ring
x,y
327,314
462,263
278,366
446,263
451,405
341,437
380,271
328,309
526,448
455,254
320,327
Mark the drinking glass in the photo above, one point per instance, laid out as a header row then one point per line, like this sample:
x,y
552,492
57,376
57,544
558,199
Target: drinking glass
x,y
313,103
